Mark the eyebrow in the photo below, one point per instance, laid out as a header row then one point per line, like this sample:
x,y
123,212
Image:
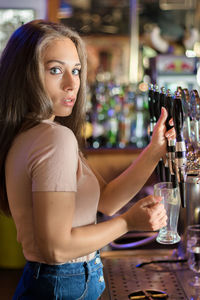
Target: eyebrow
x,y
60,62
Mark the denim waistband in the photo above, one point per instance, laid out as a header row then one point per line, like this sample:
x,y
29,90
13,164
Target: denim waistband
x,y
64,269
87,257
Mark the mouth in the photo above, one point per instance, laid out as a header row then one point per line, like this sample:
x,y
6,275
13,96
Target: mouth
x,y
69,101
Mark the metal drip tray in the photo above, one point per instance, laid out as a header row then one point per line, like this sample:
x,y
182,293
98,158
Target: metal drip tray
x,y
123,277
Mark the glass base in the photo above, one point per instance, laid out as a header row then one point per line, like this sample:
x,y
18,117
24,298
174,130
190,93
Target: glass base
x,y
168,238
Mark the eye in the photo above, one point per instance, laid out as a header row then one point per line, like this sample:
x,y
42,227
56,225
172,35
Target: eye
x,y
55,71
76,71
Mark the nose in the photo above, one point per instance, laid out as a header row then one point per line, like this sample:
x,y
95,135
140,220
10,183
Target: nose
x,y
69,82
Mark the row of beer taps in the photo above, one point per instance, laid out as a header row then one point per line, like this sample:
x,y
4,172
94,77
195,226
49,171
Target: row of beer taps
x,y
183,153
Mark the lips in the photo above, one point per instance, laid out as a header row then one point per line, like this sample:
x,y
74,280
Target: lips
x,y
68,101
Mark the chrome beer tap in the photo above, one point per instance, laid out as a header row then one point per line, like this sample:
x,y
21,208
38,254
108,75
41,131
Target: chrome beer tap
x,y
180,147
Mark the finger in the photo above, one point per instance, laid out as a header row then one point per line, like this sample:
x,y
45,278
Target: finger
x,y
163,116
158,226
151,200
159,222
162,221
160,212
170,134
157,211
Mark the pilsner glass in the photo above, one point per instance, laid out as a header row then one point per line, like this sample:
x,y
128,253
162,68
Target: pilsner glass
x,y
171,200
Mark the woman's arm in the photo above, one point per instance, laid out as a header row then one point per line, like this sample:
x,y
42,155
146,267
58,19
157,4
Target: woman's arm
x,y
122,189
58,242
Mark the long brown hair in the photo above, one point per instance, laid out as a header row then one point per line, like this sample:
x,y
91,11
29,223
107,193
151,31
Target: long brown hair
x,y
23,100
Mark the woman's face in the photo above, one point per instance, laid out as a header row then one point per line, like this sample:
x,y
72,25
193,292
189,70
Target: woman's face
x,y
62,75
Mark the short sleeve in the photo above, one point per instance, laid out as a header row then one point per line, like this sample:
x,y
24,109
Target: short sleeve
x,y
52,160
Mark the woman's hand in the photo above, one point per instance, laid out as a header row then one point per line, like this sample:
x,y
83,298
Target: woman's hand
x,y
148,214
160,135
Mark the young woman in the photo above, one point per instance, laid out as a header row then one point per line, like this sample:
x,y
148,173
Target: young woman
x,y
46,183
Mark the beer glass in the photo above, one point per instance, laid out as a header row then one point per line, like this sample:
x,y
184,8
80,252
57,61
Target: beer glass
x,y
171,200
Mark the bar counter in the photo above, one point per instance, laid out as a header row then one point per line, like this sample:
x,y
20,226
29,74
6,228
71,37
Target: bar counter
x,y
122,277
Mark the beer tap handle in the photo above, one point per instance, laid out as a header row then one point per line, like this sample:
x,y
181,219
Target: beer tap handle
x,y
180,152
157,111
187,114
170,161
178,117
194,100
156,102
165,162
151,108
169,108
162,98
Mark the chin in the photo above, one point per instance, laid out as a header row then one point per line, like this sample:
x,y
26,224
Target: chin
x,y
63,113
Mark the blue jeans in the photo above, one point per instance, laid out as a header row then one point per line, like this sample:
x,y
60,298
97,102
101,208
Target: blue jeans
x,y
70,281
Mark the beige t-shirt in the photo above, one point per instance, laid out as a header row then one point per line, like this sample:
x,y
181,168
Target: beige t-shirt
x,y
46,158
